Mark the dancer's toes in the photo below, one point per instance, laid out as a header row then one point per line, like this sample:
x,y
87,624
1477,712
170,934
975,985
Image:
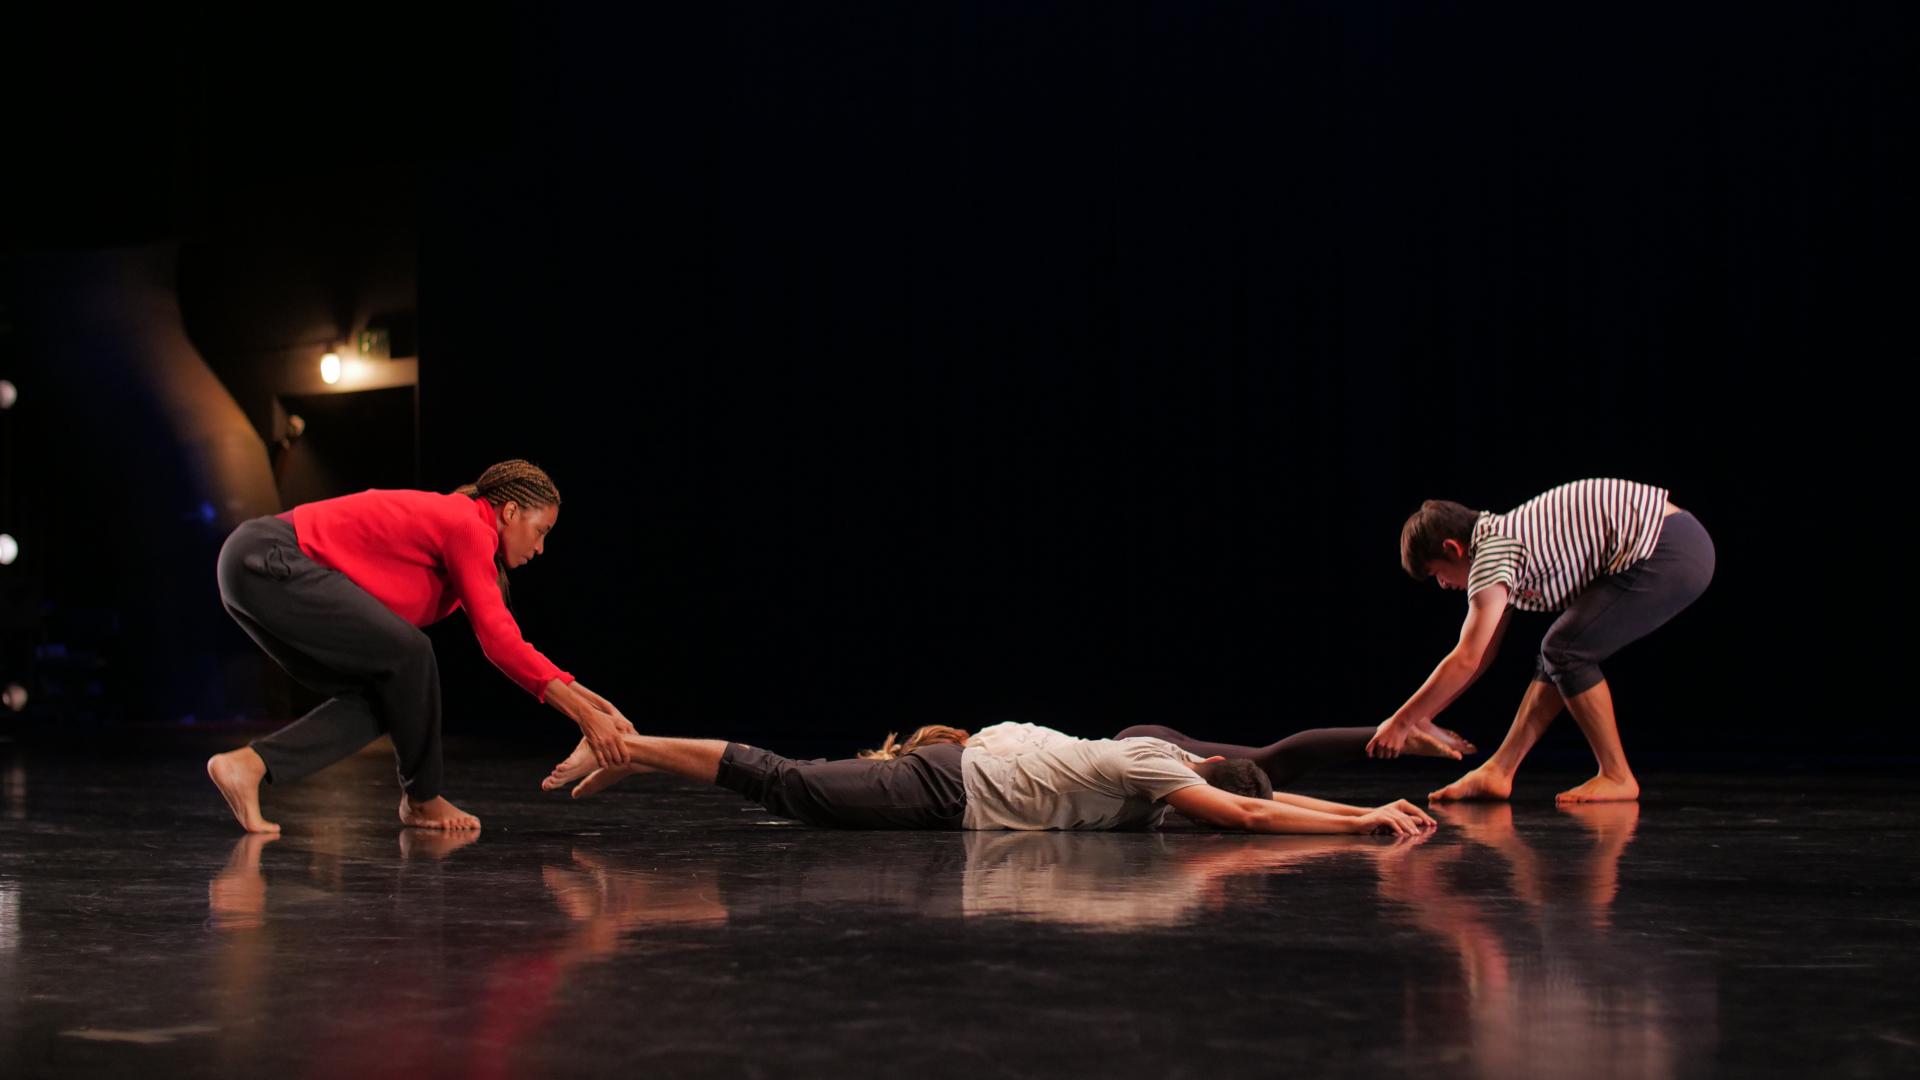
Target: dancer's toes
x,y
1481,783
435,813
1601,788
237,774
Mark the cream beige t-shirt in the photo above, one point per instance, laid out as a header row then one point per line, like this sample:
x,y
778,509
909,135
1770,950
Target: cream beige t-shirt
x,y
1079,784
1011,737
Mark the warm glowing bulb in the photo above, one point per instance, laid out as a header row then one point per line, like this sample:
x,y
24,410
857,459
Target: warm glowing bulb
x,y
9,394
14,697
330,368
9,549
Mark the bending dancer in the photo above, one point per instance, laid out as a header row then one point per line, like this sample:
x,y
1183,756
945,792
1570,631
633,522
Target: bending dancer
x,y
336,591
936,781
1616,558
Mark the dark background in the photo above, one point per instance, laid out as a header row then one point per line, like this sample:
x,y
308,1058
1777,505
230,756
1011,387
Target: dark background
x,y
1072,363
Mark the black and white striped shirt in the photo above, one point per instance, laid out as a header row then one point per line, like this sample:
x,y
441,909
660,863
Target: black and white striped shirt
x,y
1549,548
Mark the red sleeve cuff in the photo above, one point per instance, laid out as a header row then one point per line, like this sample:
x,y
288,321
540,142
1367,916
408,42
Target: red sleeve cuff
x,y
540,691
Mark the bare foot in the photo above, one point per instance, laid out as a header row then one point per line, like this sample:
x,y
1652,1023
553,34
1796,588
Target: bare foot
x,y
237,773
1601,788
578,764
1482,783
581,763
601,779
435,813
1438,742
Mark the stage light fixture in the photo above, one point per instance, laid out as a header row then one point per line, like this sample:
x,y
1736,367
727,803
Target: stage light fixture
x,y
330,368
9,394
9,549
14,697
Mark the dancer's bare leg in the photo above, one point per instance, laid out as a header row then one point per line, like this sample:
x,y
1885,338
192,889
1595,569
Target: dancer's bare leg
x,y
1592,709
238,773
435,813
1494,779
694,759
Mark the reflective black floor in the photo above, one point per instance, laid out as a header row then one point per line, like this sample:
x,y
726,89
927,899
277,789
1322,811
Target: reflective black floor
x,y
1729,925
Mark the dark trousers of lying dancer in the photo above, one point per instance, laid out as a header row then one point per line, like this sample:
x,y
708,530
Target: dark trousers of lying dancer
x,y
921,790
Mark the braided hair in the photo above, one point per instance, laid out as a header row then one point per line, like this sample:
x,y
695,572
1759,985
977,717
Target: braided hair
x,y
519,482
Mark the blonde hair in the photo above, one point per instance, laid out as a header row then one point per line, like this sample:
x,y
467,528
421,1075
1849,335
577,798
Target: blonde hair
x,y
926,736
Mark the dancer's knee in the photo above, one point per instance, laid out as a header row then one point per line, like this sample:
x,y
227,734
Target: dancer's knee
x,y
413,652
1570,669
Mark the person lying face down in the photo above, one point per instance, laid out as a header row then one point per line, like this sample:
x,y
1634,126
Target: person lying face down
x,y
936,781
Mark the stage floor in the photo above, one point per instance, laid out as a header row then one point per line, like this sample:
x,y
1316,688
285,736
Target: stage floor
x,y
1730,925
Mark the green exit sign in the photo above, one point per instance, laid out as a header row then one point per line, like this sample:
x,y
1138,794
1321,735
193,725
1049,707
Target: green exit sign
x,y
375,344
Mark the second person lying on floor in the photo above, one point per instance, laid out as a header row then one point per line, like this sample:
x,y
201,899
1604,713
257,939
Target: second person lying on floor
x,y
935,780
1283,761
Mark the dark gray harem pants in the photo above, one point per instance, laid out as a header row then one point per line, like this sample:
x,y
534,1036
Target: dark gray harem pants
x,y
334,638
920,790
1622,608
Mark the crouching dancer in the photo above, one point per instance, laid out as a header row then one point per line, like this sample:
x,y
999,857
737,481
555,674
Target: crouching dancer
x,y
935,781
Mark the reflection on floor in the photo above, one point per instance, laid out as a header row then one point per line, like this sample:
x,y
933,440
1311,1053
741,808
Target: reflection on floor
x,y
1731,925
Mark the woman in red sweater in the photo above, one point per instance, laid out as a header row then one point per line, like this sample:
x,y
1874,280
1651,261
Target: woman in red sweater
x,y
336,592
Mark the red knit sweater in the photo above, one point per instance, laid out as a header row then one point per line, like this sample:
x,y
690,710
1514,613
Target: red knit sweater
x,y
423,554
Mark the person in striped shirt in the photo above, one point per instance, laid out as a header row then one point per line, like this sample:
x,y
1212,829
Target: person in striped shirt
x,y
1617,560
